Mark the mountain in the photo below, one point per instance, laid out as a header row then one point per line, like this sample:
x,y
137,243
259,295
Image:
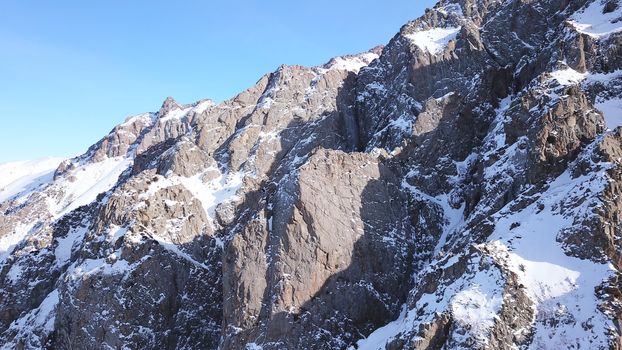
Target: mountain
x,y
458,188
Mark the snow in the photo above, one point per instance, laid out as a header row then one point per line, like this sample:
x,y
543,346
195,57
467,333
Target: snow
x,y
36,320
592,21
451,9
381,336
210,194
544,280
15,272
175,114
269,136
561,286
402,123
568,76
147,118
169,203
497,136
611,107
453,217
8,242
265,102
612,111
25,176
476,310
45,317
353,63
90,180
376,86
203,106
474,301
603,77
90,267
253,346
219,190
65,245
133,237
173,248
433,40
114,233
445,97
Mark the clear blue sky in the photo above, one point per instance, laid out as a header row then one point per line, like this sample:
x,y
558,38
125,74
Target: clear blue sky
x,y
71,70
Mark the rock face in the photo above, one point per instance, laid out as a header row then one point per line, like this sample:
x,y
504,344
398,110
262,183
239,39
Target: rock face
x,y
457,188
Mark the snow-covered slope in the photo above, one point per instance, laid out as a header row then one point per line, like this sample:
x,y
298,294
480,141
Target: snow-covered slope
x,y
25,175
598,19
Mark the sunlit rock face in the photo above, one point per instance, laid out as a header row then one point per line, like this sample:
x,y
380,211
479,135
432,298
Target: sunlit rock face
x,y
458,188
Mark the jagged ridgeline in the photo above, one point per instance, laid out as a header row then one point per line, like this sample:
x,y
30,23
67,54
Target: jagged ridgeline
x,y
458,188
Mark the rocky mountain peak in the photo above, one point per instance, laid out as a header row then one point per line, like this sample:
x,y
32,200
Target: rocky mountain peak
x,y
169,105
457,188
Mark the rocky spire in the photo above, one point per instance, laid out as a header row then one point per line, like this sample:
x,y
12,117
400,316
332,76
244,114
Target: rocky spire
x,y
168,105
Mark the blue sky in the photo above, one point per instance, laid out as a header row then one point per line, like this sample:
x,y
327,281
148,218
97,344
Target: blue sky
x,y
71,70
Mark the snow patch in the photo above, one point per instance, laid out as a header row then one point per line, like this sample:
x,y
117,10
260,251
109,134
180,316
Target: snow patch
x,y
90,267
210,194
612,111
453,217
173,248
593,22
114,233
147,118
603,78
203,106
253,346
451,9
476,310
44,316
568,76
433,40
65,245
175,114
36,320
15,273
353,63
402,124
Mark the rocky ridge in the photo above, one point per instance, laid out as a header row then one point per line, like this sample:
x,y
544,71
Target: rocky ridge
x,y
456,188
